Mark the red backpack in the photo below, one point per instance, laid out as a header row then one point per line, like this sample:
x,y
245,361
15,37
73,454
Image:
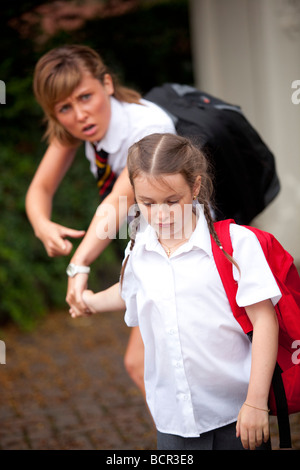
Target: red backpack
x,y
284,396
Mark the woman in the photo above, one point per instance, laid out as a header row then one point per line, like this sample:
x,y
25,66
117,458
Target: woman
x,y
83,102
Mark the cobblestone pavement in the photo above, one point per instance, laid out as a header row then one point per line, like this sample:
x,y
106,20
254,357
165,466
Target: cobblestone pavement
x,y
64,387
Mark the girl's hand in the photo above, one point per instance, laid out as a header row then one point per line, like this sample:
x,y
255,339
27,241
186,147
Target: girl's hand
x,y
53,236
76,286
253,426
87,297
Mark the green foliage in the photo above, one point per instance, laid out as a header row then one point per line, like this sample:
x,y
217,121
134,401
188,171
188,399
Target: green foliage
x,y
146,47
31,283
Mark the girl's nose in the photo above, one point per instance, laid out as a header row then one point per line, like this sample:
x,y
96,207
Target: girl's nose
x,y
162,212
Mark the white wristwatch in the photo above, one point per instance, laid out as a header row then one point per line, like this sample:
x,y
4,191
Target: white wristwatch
x,y
74,269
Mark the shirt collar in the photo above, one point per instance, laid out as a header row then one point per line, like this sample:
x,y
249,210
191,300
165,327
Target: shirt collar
x,y
200,238
117,129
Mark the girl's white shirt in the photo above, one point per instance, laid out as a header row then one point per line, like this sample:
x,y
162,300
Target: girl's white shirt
x,y
197,358
129,123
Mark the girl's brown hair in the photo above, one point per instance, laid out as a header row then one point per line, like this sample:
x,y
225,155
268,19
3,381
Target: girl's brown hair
x,y
163,154
59,72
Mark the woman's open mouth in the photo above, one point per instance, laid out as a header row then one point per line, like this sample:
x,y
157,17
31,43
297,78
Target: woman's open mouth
x,y
89,130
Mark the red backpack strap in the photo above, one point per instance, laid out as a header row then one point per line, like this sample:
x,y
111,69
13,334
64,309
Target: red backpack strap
x,y
224,267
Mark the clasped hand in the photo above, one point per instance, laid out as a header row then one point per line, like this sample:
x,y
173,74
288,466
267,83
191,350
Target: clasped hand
x,y
76,286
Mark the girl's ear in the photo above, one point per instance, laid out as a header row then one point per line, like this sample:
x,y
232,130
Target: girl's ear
x,y
108,84
197,185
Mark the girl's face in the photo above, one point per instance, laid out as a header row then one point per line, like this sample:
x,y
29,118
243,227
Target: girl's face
x,y
86,113
166,204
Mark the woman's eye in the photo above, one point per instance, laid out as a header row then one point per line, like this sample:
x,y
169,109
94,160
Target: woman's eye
x,y
64,108
86,97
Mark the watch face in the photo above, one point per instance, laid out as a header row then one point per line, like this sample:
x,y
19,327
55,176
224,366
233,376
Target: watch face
x,y
71,270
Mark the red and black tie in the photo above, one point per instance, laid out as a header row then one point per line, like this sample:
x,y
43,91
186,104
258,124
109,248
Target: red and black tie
x,y
106,177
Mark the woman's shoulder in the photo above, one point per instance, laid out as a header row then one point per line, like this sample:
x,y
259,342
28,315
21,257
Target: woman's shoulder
x,y
147,113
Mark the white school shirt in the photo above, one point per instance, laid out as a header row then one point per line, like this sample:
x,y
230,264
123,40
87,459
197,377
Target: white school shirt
x,y
129,123
197,358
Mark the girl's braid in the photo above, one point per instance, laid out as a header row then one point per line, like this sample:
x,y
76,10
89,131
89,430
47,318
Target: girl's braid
x,y
214,235
210,223
133,230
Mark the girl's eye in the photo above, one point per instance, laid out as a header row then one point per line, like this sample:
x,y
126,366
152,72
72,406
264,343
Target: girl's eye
x,y
170,203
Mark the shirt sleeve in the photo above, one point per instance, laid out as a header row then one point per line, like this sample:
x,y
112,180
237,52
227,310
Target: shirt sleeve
x,y
154,120
152,129
256,281
128,291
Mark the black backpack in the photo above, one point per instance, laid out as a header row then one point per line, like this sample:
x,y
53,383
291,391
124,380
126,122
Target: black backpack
x,y
245,176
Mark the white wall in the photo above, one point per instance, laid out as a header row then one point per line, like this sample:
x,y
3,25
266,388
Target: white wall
x,y
248,53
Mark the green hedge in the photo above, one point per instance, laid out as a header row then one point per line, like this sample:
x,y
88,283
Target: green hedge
x,y
31,282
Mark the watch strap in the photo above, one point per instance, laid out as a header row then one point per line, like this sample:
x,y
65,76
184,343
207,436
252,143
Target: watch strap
x,y
74,269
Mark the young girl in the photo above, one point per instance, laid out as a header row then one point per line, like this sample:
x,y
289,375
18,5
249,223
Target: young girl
x,y
207,386
83,102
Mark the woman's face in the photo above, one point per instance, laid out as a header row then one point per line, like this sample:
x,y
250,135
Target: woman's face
x,y
86,113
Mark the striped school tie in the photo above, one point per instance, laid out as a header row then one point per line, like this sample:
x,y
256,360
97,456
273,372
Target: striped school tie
x,y
106,177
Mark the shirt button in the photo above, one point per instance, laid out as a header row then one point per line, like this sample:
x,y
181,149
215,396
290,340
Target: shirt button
x,y
172,332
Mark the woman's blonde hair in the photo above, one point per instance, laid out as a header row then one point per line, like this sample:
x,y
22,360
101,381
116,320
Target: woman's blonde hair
x,y
163,154
59,72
